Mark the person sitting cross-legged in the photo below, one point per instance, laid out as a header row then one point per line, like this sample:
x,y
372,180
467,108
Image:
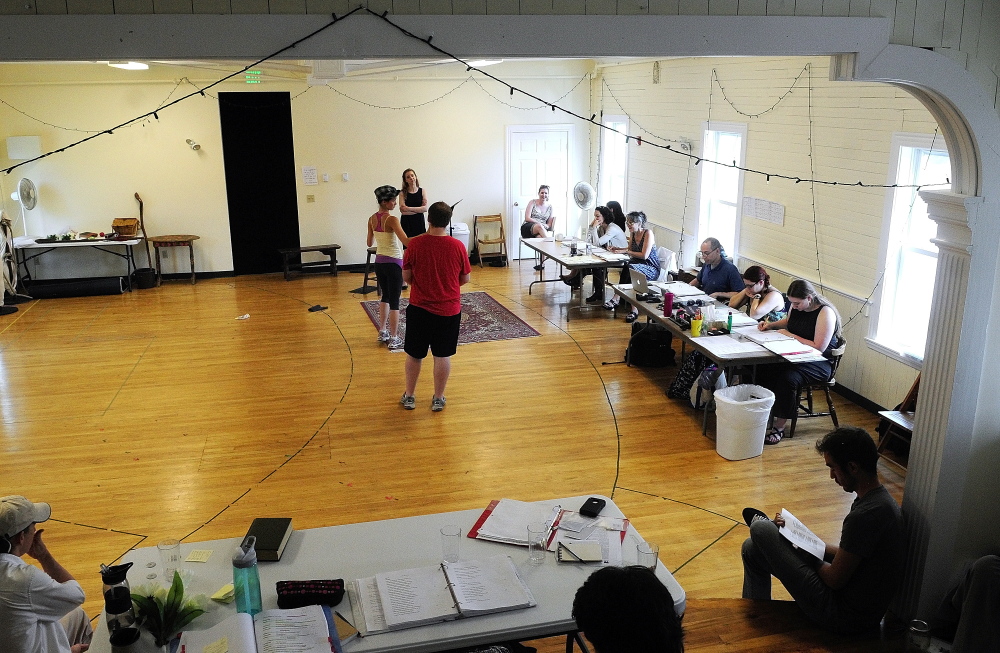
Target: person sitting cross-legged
x,y
850,589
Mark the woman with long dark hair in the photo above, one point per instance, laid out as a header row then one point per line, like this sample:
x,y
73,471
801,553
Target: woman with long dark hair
x,y
763,301
813,321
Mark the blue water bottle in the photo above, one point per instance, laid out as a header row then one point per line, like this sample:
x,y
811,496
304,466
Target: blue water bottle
x,y
246,580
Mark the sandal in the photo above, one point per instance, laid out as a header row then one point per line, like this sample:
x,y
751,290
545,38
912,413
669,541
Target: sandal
x,y
610,305
632,317
774,436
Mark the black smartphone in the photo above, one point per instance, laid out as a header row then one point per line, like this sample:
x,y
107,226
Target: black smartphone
x,y
592,507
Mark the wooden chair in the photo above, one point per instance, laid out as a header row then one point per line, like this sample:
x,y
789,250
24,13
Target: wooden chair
x,y
898,425
804,406
480,240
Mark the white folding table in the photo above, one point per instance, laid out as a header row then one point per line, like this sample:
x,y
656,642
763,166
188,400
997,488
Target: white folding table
x,y
359,550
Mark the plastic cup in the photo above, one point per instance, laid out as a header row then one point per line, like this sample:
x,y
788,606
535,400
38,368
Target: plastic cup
x,y
647,555
537,541
451,536
170,558
695,328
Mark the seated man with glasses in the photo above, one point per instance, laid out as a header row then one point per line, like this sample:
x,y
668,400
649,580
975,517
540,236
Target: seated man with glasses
x,y
718,278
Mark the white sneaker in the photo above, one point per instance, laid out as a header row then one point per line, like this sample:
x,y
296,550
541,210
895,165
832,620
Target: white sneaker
x,y
408,402
383,336
395,342
437,404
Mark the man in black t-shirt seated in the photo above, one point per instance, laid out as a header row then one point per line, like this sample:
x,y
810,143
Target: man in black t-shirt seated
x,y
849,591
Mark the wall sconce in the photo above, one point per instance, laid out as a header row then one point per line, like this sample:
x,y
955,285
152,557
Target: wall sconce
x,y
192,144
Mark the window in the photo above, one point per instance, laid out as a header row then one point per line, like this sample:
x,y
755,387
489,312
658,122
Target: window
x,y
614,160
899,327
721,186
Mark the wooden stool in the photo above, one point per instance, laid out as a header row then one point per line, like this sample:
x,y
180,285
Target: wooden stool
x,y
173,241
329,250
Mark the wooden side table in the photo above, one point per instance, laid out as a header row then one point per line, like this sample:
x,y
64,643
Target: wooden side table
x,y
185,240
288,265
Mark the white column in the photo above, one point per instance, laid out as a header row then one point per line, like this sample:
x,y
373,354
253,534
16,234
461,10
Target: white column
x,y
939,449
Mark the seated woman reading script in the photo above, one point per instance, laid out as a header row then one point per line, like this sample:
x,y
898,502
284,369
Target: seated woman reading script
x,y
603,232
538,218
642,257
763,301
813,321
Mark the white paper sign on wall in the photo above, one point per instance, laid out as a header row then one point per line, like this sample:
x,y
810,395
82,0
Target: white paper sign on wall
x,y
309,176
754,207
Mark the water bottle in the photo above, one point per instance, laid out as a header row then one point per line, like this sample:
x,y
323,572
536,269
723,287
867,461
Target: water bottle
x,y
246,579
122,630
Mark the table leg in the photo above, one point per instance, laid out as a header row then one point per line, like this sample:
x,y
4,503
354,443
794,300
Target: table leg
x,y
191,253
159,279
129,265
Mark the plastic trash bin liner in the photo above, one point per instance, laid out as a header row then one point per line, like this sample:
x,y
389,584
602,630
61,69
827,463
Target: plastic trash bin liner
x,y
741,413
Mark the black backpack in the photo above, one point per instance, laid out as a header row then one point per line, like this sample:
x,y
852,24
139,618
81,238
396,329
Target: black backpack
x,y
650,346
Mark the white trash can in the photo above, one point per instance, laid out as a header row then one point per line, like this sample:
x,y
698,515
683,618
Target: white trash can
x,y
460,230
741,413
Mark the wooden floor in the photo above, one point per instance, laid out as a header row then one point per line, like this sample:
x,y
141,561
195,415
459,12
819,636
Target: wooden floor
x,y
157,414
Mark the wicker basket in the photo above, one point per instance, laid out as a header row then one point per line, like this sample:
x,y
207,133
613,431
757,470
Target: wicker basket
x,y
125,227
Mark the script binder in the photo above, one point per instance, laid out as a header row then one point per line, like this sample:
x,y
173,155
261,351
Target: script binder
x,y
302,630
507,521
272,535
425,595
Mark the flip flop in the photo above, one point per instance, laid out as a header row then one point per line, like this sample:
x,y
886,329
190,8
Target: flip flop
x,y
750,515
774,436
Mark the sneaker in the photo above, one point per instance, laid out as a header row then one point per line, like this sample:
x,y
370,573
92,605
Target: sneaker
x,y
408,401
395,342
437,404
383,336
751,515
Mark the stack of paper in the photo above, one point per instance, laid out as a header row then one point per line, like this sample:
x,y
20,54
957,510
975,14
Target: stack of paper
x,y
794,351
508,522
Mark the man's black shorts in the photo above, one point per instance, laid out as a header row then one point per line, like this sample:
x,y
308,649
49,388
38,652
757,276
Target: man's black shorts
x,y
425,329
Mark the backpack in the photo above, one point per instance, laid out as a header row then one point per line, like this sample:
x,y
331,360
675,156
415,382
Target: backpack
x,y
686,376
650,346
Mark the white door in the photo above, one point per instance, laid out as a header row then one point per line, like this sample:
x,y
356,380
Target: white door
x,y
536,155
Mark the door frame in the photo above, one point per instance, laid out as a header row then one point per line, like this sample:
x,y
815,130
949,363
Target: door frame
x,y
513,225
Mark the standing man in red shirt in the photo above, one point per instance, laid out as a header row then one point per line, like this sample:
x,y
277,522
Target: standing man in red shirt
x,y
436,266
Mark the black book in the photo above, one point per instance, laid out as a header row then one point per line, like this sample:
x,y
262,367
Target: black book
x,y
272,535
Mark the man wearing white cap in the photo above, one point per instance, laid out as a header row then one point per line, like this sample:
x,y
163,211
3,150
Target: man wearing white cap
x,y
39,609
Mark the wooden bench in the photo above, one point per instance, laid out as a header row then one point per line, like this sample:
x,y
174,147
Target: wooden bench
x,y
288,264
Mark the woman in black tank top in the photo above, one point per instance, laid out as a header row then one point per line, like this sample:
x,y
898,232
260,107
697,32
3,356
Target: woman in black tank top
x,y
412,205
814,322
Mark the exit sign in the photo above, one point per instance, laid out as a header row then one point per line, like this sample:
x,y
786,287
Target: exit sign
x,y
252,77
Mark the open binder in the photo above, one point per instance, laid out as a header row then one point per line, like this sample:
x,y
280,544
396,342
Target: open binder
x,y
396,600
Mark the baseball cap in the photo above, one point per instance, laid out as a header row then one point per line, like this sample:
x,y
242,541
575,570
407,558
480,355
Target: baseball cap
x,y
385,193
17,513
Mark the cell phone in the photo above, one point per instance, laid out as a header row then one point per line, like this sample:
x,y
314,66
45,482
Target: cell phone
x,y
592,507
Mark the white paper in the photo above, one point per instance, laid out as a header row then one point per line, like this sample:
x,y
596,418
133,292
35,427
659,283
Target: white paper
x,y
794,351
370,606
797,533
300,630
722,346
510,518
309,176
487,585
238,629
766,336
415,596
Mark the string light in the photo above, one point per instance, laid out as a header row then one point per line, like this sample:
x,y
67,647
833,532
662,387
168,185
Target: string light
x,y
716,80
185,97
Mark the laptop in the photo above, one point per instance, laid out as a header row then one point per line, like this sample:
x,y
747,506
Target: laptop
x,y
639,284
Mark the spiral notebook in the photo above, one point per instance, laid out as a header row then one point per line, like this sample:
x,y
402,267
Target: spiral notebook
x,y
414,597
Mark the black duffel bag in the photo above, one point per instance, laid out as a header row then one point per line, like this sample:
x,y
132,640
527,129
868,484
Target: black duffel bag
x,y
650,346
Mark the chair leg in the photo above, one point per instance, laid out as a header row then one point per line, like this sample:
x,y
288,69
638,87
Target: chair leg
x,y
833,411
790,429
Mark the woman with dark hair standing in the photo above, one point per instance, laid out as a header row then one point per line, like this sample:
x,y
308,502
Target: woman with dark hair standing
x,y
617,215
642,257
412,205
763,300
815,322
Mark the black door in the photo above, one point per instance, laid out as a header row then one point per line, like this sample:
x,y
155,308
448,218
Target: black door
x,y
260,178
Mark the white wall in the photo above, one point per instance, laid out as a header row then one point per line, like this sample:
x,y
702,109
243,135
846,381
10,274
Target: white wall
x,y
455,141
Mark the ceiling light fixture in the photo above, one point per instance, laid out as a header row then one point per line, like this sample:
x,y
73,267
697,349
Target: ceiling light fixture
x,y
128,65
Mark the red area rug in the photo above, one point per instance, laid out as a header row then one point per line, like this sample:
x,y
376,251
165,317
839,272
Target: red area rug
x,y
483,319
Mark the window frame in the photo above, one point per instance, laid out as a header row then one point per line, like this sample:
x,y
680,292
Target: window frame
x,y
741,128
899,140
605,135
